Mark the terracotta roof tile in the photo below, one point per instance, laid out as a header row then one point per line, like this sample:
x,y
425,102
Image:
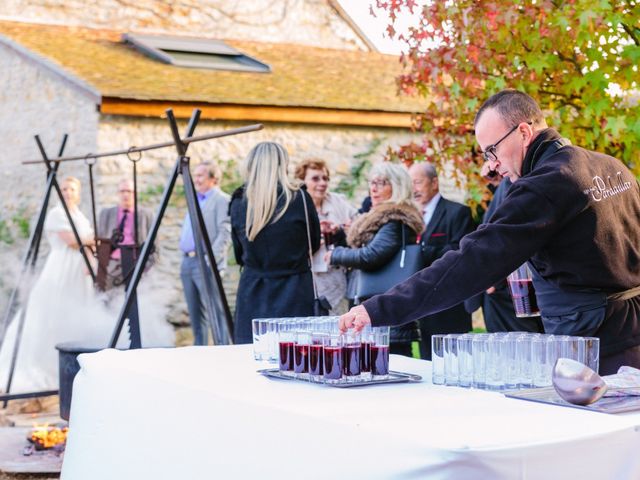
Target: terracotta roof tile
x,y
301,76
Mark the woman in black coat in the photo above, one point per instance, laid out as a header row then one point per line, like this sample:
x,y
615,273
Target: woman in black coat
x,y
270,242
376,236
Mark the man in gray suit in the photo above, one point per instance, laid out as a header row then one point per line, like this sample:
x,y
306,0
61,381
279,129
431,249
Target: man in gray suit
x,y
214,204
117,226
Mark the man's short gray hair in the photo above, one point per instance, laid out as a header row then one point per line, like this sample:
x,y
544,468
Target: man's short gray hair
x,y
514,107
213,169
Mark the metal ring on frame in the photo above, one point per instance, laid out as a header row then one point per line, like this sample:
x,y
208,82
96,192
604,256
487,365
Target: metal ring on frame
x,y
130,151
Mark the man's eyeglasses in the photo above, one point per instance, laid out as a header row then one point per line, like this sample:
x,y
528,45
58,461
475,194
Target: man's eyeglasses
x,y
378,183
489,153
317,178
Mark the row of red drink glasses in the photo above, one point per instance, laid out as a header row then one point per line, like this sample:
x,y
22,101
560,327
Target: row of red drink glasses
x,y
332,357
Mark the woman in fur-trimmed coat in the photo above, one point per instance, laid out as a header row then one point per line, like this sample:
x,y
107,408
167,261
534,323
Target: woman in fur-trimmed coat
x,y
376,237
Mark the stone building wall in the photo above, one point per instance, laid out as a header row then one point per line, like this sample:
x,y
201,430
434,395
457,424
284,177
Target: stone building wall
x,y
304,22
34,101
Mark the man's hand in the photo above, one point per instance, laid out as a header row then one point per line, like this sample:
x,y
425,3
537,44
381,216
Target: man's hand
x,y
356,318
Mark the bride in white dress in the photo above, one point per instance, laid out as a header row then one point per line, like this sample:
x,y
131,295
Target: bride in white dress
x,y
62,304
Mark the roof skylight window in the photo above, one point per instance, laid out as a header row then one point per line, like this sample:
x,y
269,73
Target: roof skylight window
x,y
195,53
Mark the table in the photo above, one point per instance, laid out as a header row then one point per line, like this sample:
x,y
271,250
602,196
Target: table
x,y
203,412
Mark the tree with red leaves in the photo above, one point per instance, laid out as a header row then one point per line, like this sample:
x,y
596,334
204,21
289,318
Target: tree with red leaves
x,y
578,58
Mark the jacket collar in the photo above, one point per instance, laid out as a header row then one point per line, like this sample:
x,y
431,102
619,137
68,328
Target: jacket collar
x,y
540,144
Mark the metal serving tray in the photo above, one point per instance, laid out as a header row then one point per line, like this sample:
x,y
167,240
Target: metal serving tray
x,y
604,405
394,377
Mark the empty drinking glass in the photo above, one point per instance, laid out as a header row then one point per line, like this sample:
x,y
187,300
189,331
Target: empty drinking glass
x,y
592,353
494,363
465,360
437,359
509,361
260,338
479,353
451,359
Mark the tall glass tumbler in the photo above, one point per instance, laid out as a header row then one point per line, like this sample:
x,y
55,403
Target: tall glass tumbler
x,y
301,354
451,377
523,360
479,353
316,347
286,340
465,360
380,353
332,358
523,295
366,338
539,361
494,363
592,353
351,352
260,339
509,361
437,359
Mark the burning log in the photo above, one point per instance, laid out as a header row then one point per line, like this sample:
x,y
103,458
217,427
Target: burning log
x,y
44,437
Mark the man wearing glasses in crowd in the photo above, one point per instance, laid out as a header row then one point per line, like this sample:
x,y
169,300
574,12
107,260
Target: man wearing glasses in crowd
x,y
573,214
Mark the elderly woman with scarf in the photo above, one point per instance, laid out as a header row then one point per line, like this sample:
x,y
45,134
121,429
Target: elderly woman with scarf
x,y
375,237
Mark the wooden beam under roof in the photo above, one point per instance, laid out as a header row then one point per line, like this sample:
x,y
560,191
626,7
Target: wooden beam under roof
x,y
323,116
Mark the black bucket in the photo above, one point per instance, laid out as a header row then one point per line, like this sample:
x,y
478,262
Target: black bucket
x,y
68,360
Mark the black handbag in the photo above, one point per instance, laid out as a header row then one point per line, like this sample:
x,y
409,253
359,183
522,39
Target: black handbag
x,y
405,263
321,305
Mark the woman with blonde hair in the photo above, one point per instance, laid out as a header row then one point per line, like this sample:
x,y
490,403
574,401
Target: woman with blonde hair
x,y
376,237
270,241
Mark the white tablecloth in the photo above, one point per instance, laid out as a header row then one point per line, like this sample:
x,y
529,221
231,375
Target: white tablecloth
x,y
203,412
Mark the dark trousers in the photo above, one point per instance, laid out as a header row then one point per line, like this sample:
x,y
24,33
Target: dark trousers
x,y
611,363
194,294
620,335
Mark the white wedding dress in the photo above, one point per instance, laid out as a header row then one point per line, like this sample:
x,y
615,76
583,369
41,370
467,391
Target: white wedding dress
x,y
62,306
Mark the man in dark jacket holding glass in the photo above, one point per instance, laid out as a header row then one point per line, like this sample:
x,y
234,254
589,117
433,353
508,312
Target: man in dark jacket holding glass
x,y
572,213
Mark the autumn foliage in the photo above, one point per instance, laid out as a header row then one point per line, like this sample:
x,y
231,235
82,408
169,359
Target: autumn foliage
x,y
578,58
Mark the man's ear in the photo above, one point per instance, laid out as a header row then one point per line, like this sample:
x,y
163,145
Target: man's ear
x,y
526,130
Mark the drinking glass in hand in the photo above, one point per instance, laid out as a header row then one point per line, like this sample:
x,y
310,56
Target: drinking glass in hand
x,y
523,295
